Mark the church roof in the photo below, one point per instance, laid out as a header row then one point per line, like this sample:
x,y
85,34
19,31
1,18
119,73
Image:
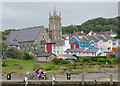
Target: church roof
x,y
25,35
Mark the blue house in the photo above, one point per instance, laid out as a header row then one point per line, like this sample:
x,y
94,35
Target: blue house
x,y
82,42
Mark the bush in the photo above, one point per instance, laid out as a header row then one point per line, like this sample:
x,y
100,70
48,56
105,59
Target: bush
x,y
56,60
115,60
102,60
60,61
4,64
26,55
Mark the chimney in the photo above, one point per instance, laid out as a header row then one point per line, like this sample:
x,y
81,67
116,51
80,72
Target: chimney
x,y
74,34
101,33
92,33
109,33
79,34
84,34
70,36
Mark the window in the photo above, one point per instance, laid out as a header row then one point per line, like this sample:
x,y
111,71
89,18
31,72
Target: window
x,y
43,42
46,58
92,44
109,48
119,43
57,52
87,54
92,54
74,46
114,43
81,43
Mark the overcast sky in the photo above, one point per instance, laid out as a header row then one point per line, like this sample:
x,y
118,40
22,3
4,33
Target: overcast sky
x,y
19,15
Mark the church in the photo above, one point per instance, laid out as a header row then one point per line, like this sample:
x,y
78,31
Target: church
x,y
36,38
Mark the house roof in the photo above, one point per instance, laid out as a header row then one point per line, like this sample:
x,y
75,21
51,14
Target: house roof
x,y
11,43
24,35
91,50
58,42
42,54
107,32
68,56
75,50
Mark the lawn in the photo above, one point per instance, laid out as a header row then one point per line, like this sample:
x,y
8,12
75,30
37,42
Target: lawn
x,y
27,65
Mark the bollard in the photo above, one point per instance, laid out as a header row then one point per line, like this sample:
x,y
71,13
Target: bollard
x,y
26,81
83,82
53,80
111,80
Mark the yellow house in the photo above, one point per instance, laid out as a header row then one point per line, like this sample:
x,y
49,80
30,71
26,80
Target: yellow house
x,y
107,45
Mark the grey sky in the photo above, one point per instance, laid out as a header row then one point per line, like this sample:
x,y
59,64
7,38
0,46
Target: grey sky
x,y
30,14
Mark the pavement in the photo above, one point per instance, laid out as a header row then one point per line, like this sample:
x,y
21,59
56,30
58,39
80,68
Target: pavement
x,y
103,75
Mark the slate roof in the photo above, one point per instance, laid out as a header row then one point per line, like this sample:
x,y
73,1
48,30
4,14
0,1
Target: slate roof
x,y
58,42
68,57
12,35
83,39
42,54
95,38
105,37
90,50
107,32
11,43
75,50
25,35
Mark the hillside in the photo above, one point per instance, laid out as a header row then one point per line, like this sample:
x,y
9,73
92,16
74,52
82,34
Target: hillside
x,y
96,25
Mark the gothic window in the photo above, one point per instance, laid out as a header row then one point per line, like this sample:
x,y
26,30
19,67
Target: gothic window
x,y
50,34
43,42
35,47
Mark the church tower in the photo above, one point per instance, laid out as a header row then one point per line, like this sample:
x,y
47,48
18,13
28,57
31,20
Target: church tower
x,y
54,29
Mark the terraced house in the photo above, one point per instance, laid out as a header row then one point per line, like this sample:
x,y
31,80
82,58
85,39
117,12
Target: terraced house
x,y
101,42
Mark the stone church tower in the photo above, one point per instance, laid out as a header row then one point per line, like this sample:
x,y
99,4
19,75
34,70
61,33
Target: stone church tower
x,y
54,29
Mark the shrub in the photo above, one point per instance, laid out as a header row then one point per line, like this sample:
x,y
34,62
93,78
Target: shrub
x,y
115,60
65,62
60,61
102,60
4,64
56,60
26,55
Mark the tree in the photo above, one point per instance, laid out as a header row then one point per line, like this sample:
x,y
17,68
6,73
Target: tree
x,y
14,53
26,55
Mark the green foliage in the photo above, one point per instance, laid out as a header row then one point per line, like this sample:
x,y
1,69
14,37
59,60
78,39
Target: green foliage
x,y
13,52
69,29
4,45
4,63
58,61
26,55
102,60
6,33
96,25
65,62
